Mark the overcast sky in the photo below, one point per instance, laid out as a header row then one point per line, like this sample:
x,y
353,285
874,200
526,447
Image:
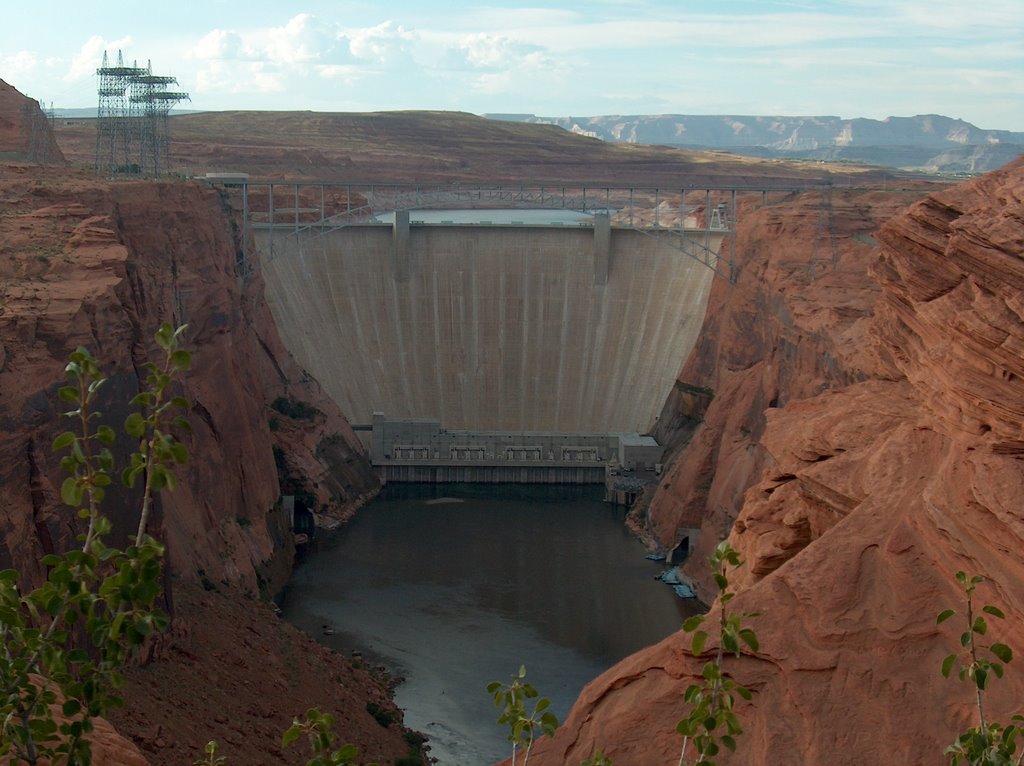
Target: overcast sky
x,y
859,58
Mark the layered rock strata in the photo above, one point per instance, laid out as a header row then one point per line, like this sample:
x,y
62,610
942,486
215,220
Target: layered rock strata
x,y
871,495
101,265
791,327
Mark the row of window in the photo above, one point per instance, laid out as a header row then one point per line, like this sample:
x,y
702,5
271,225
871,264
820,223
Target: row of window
x,y
517,454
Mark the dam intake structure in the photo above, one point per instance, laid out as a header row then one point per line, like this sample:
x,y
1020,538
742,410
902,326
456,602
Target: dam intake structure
x,y
530,309
420,450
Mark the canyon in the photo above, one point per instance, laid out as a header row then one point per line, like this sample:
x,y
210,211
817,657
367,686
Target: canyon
x,y
861,441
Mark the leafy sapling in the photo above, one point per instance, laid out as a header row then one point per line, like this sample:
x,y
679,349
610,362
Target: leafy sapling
x,y
317,728
711,722
210,756
64,643
524,725
989,743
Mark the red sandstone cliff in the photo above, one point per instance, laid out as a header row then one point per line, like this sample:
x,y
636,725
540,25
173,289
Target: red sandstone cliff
x,y
870,496
101,265
25,133
790,328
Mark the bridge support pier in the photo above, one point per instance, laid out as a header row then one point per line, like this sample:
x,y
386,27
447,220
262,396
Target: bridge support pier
x,y
602,247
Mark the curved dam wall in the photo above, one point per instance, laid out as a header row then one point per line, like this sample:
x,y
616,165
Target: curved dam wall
x,y
510,328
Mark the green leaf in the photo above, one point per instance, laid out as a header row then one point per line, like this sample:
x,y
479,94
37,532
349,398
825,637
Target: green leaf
x,y
947,665
63,441
181,360
994,611
697,644
749,638
179,452
980,676
71,492
693,623
943,616
106,434
291,734
1002,651
135,425
68,394
729,643
980,626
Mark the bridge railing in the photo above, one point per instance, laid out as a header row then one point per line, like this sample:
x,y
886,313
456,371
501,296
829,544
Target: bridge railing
x,y
694,218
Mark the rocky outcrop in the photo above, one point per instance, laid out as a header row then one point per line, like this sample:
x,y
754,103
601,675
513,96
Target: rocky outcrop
x,y
102,266
791,327
874,493
25,134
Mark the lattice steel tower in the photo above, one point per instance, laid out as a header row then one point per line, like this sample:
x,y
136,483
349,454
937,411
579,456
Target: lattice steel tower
x,y
131,124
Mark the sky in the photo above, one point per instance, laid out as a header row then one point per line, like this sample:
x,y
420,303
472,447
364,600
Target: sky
x,y
858,58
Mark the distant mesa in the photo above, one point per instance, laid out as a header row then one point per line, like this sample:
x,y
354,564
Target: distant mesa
x,y
929,142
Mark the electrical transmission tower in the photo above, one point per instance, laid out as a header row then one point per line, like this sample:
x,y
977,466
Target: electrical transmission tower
x,y
132,134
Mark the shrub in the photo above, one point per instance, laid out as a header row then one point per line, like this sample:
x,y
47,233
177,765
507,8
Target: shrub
x,y
711,702
64,642
989,743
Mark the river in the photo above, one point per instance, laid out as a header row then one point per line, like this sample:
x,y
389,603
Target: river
x,y
455,586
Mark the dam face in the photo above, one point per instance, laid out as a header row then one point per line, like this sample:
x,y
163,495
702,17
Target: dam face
x,y
506,328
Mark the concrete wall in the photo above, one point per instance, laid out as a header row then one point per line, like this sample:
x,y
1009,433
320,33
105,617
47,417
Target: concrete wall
x,y
488,327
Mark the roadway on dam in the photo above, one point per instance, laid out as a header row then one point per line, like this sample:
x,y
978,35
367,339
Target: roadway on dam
x,y
493,327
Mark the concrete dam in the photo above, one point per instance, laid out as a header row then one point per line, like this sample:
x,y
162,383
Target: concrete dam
x,y
488,326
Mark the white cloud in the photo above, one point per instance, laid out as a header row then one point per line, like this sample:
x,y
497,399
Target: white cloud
x,y
18,64
90,56
491,51
384,43
218,44
303,39
523,75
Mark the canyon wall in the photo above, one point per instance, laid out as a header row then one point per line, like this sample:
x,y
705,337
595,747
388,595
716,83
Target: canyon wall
x,y
790,328
888,458
25,131
101,266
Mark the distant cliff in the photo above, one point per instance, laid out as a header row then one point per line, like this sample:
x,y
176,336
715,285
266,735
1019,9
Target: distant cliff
x,y
25,133
926,142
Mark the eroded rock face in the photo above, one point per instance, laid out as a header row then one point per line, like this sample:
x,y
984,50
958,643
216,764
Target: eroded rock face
x,y
101,266
872,495
25,133
792,327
